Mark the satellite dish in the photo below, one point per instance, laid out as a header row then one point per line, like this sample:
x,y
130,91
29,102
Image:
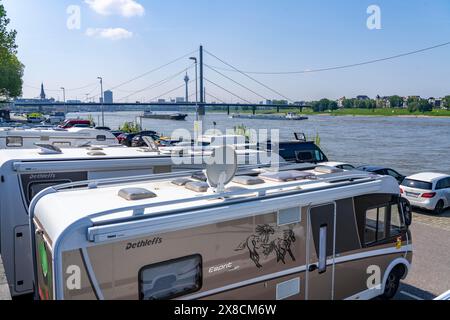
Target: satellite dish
x,y
221,167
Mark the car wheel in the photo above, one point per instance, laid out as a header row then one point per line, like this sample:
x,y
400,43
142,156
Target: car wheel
x,y
391,286
439,207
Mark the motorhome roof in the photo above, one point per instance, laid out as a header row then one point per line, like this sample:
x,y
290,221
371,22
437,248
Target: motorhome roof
x,y
111,152
103,205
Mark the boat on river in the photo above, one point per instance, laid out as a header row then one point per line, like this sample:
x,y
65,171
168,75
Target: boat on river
x,y
163,116
288,116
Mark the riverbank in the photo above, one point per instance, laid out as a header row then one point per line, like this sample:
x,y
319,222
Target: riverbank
x,y
355,112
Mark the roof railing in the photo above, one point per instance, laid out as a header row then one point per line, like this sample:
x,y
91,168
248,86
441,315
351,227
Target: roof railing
x,y
334,180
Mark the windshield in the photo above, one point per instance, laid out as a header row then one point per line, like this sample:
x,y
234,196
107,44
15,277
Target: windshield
x,y
417,184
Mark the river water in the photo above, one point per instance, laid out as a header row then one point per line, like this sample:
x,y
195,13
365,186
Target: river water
x,y
407,144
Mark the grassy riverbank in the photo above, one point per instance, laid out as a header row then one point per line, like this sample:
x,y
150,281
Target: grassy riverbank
x,y
355,112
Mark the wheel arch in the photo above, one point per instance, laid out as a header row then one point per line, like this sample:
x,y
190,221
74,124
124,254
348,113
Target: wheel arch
x,y
399,262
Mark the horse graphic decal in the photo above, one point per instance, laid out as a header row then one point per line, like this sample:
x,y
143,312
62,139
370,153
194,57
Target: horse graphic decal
x,y
264,243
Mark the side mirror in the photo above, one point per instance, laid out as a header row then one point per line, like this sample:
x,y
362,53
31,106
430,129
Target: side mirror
x,y
407,211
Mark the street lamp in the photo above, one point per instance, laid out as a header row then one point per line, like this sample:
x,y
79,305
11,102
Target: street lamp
x,y
196,85
64,98
101,100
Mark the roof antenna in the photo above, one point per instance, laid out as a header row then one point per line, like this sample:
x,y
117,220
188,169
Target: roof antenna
x,y
221,167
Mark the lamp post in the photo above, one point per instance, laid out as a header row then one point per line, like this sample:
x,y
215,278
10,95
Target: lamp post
x,y
64,99
101,100
196,86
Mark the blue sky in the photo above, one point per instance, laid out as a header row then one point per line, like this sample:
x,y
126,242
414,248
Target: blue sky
x,y
259,35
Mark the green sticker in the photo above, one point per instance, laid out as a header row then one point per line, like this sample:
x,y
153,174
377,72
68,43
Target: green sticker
x,y
44,261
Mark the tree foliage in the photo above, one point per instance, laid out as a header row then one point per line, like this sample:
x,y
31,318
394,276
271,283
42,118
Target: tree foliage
x,y
11,70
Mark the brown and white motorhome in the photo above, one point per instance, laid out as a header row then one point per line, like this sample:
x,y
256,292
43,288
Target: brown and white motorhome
x,y
25,172
302,233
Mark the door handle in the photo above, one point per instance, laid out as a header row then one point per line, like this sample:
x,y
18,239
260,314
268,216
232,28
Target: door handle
x,y
312,268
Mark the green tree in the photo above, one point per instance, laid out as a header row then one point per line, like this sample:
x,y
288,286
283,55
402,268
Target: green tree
x,y
348,103
396,101
446,102
11,70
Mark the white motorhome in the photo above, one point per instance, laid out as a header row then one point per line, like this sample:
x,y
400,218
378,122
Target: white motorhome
x,y
25,172
289,234
16,138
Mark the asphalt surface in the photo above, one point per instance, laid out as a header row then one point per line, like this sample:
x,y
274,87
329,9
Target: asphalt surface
x,y
429,276
430,272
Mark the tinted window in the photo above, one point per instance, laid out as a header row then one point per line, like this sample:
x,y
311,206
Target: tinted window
x,y
304,156
14,142
170,279
396,225
417,184
393,174
36,187
375,225
101,138
347,167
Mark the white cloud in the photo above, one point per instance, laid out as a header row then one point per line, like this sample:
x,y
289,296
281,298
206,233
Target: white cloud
x,y
126,8
109,33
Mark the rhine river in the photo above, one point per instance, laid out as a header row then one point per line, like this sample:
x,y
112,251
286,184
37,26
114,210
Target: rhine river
x,y
407,144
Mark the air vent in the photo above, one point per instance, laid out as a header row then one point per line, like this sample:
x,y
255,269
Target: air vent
x,y
132,194
95,148
96,153
247,180
181,182
284,176
327,169
197,186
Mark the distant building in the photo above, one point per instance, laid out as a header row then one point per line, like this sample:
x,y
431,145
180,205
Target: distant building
x,y
108,96
42,95
73,101
268,101
161,100
362,98
179,100
340,102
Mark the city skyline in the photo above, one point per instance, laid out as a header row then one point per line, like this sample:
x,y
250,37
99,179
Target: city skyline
x,y
120,40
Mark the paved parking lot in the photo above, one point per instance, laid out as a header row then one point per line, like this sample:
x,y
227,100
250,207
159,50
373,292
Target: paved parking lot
x,y
430,272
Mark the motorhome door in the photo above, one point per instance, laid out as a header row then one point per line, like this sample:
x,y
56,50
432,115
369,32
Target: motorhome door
x,y
320,252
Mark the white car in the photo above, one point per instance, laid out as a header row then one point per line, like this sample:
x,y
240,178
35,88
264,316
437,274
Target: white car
x,y
428,190
340,165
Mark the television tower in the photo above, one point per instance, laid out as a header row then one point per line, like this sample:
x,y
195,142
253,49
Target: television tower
x,y
186,80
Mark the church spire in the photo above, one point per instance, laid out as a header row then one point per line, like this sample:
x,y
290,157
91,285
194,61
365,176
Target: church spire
x,y
42,92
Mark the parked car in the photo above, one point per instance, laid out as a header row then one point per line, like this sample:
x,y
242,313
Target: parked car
x,y
116,133
103,128
428,190
383,171
70,123
126,138
340,165
138,140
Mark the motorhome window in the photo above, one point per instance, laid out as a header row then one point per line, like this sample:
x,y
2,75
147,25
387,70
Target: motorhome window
x,y
35,187
170,279
375,225
396,225
14,142
101,138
